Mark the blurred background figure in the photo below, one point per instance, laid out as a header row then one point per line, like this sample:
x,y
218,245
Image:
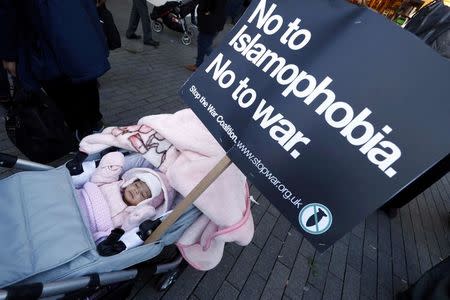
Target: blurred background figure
x,y
139,11
211,17
236,8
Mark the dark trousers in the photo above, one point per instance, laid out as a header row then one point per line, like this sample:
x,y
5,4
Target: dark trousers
x,y
139,11
204,46
4,83
235,9
80,103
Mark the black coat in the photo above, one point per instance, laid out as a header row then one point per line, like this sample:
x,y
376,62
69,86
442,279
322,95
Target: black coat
x,y
8,28
211,15
53,38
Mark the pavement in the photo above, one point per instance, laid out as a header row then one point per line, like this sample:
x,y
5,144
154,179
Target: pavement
x,y
377,259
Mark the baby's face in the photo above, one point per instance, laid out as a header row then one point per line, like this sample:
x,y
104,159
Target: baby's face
x,y
136,192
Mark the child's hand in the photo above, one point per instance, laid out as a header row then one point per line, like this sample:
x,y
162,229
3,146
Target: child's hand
x,y
109,169
137,215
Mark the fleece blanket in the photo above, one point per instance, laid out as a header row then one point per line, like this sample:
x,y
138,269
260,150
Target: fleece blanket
x,y
181,147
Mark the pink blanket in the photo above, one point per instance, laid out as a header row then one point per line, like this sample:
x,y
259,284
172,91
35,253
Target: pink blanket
x,y
182,147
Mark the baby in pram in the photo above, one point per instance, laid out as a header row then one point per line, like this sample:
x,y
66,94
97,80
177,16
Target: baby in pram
x,y
110,202
181,147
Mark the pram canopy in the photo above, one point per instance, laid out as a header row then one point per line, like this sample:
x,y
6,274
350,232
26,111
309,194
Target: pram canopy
x,y
43,235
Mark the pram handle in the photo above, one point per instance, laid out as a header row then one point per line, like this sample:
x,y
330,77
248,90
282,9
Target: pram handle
x,y
11,161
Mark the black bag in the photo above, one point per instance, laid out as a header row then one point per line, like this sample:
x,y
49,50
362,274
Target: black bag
x,y
37,127
109,28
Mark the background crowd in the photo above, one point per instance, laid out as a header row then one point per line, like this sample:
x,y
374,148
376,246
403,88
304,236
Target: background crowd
x,y
62,50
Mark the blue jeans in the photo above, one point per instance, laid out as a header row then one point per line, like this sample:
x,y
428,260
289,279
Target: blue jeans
x,y
204,46
139,11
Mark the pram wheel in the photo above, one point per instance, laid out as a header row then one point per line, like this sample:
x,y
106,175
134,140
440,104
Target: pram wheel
x,y
168,279
157,26
186,39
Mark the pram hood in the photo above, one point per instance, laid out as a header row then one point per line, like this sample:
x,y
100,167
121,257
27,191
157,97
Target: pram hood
x,y
41,225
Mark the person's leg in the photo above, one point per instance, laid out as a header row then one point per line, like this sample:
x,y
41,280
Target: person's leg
x,y
141,6
204,46
193,17
61,92
4,85
209,48
86,109
133,22
233,9
240,11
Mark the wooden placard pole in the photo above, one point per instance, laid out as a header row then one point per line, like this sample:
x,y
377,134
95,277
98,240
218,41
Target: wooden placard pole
x,y
218,169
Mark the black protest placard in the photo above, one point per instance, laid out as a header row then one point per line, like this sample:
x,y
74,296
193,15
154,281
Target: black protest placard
x,y
328,108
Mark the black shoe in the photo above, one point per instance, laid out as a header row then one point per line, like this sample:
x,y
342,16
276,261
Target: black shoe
x,y
133,36
151,42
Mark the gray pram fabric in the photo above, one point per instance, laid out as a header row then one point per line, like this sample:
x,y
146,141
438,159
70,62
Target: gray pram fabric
x,y
43,236
39,218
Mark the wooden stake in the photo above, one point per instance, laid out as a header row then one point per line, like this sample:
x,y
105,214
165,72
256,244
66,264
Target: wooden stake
x,y
218,169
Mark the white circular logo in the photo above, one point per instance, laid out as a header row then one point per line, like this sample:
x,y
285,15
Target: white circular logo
x,y
315,218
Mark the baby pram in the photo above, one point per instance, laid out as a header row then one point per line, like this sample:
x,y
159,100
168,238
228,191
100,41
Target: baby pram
x,y
173,15
46,248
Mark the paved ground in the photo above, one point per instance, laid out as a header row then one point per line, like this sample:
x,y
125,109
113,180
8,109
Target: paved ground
x,y
380,257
